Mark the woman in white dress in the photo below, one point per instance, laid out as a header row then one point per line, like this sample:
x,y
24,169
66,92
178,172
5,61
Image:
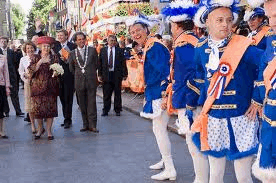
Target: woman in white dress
x,y
29,48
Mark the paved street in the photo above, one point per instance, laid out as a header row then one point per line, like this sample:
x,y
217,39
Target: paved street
x,y
120,153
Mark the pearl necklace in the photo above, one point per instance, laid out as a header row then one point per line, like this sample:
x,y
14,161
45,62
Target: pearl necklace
x,y
85,60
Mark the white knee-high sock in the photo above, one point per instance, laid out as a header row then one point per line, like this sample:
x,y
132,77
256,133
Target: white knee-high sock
x,y
200,161
161,134
243,169
217,168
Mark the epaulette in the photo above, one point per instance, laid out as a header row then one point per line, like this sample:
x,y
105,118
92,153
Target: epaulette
x,y
270,33
201,43
180,44
186,39
149,44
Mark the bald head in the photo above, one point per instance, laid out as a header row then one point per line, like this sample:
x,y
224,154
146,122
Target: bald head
x,y
270,10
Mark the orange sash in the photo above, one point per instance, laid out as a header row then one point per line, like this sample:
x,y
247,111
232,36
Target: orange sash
x,y
259,36
183,39
268,74
231,56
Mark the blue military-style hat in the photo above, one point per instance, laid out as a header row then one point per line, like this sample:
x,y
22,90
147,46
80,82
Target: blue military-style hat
x,y
207,6
179,11
254,10
251,13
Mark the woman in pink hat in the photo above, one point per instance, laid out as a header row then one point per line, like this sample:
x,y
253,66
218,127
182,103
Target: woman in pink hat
x,y
44,86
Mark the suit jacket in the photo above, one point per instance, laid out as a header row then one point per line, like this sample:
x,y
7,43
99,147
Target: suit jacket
x,y
88,79
11,64
67,77
120,69
57,47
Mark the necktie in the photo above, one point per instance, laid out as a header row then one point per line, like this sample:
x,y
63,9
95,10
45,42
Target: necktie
x,y
110,62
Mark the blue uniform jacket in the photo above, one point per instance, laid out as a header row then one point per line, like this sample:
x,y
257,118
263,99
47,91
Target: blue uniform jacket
x,y
237,95
156,72
184,70
259,92
268,131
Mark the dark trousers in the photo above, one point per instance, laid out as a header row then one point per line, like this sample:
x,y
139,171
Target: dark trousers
x,y
87,103
66,93
14,99
108,88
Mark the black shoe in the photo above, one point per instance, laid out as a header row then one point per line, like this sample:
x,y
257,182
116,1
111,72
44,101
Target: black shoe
x,y
38,136
84,129
95,130
118,114
50,137
27,118
66,125
104,114
20,114
62,124
4,137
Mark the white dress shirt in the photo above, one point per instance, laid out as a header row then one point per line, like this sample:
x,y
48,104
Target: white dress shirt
x,y
82,50
113,54
23,65
4,51
63,45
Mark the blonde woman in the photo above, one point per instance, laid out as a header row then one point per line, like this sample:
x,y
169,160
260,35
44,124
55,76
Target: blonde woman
x,y
29,48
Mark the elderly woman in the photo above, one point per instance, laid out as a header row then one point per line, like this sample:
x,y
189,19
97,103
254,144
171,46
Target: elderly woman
x,y
44,86
4,91
29,48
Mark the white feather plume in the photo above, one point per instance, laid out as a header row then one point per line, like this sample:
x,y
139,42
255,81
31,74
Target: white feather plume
x,y
198,15
181,3
255,3
226,3
236,17
178,18
247,15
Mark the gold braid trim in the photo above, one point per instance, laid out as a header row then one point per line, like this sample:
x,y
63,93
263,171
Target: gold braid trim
x,y
199,81
192,87
258,83
225,106
256,103
272,123
199,44
189,107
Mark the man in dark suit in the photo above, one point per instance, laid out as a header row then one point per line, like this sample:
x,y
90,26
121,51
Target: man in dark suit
x,y
83,64
112,70
66,89
13,78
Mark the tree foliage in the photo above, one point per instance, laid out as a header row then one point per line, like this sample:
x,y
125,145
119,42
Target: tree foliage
x,y
40,9
18,19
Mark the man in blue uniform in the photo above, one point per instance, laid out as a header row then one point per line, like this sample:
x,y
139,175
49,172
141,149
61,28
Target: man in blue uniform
x,y
257,21
227,64
180,16
264,167
156,71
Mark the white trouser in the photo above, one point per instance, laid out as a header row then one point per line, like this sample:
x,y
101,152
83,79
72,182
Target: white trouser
x,y
242,169
2,127
160,131
200,161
